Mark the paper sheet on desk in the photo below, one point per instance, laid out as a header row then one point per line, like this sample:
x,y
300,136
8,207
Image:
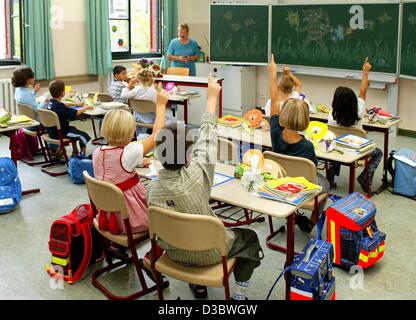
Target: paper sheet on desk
x,y
220,179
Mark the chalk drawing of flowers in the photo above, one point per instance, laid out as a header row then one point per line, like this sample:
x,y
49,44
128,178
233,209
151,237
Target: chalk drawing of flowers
x,y
339,33
369,25
249,22
412,19
236,27
384,18
293,19
228,16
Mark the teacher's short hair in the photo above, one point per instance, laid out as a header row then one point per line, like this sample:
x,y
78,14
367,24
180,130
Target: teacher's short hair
x,y
184,26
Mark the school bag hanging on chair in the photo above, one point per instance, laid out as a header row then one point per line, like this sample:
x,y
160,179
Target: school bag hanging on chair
x,y
76,168
403,172
10,187
74,245
353,231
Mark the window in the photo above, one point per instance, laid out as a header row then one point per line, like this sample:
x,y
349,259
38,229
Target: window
x,y
11,35
135,28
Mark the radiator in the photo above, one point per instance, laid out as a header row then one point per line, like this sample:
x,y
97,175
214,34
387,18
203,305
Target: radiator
x,y
7,96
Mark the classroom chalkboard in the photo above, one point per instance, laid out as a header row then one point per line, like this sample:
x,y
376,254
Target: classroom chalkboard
x,y
239,34
408,60
337,36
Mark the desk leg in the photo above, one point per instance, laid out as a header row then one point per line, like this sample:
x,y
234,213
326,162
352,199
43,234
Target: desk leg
x,y
93,127
352,177
385,180
290,254
185,110
221,98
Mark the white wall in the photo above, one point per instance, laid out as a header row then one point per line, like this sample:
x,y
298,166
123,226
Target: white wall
x,y
318,89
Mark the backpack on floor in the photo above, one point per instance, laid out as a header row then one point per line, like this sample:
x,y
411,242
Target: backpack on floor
x,y
74,245
403,172
76,168
353,231
26,146
10,187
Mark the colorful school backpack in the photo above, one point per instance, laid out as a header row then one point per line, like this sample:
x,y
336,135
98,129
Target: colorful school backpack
x,y
403,172
10,187
26,146
74,245
76,168
353,231
312,274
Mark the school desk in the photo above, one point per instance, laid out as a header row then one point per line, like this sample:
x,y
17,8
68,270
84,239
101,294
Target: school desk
x,y
234,193
11,132
372,127
263,139
199,82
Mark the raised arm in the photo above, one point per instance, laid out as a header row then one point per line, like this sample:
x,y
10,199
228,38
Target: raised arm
x,y
162,100
274,90
364,82
296,81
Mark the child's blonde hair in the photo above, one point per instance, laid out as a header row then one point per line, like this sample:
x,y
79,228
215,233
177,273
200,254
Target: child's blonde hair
x,y
118,127
295,115
286,84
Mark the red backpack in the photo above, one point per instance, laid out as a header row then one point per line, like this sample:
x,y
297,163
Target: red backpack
x,y
74,244
26,146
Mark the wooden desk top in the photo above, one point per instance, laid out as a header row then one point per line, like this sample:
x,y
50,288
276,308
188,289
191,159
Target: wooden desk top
x,y
185,79
263,139
20,126
233,193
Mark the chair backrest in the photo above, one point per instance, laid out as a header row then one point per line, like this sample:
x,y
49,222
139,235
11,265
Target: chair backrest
x,y
142,106
227,151
26,110
178,72
104,97
295,166
190,232
49,119
340,131
106,196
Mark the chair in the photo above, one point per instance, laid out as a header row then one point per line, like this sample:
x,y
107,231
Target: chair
x,y
295,167
228,153
143,107
178,72
49,119
191,233
104,97
340,131
108,198
26,110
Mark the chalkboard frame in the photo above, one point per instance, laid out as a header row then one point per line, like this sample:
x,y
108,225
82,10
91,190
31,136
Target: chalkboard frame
x,y
347,73
403,75
269,36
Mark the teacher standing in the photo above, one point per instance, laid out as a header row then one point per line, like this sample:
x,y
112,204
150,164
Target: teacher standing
x,y
183,52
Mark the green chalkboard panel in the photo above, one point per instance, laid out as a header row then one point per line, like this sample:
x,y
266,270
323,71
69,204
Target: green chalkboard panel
x,y
239,34
408,62
337,36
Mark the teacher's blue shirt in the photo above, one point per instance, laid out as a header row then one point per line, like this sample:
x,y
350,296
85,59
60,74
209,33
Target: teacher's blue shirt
x,y
190,49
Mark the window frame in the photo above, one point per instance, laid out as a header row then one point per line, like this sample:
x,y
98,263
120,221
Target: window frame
x,y
10,30
128,55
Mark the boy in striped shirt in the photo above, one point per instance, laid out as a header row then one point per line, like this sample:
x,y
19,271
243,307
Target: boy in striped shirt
x,y
120,82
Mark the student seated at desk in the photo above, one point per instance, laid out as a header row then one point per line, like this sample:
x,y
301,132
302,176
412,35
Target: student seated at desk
x,y
144,90
289,87
185,186
285,124
348,111
67,114
26,91
121,81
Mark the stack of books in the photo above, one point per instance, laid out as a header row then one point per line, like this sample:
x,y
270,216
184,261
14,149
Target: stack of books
x,y
352,144
230,121
293,191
